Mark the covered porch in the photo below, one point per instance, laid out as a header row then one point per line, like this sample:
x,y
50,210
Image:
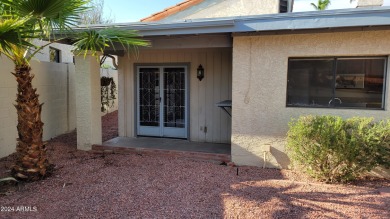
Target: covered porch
x,y
149,110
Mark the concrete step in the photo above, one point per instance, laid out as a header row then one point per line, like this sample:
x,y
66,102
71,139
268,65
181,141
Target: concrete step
x,y
152,151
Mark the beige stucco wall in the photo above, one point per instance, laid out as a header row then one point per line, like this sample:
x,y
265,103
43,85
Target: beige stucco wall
x,y
368,3
66,55
203,95
58,111
227,8
8,117
260,115
88,102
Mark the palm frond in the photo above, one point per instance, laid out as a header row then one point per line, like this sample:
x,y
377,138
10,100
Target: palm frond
x,y
7,179
314,6
48,15
13,34
321,5
95,41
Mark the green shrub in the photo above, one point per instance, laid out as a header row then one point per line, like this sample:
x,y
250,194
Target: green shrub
x,y
335,150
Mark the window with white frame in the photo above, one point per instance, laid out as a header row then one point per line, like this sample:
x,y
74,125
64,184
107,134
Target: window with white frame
x,y
337,82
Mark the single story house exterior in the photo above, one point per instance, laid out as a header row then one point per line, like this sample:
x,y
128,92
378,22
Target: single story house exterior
x,y
272,67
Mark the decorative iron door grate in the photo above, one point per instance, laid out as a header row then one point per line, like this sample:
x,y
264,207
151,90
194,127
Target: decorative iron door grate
x,y
174,97
149,96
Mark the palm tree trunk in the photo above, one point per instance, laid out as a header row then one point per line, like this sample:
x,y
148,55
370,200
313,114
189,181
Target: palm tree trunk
x,y
31,163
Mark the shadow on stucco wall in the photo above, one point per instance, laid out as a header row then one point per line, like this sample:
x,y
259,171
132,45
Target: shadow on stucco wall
x,y
281,157
254,156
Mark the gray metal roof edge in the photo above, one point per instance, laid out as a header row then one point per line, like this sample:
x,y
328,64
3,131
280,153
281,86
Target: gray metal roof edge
x,y
157,25
376,16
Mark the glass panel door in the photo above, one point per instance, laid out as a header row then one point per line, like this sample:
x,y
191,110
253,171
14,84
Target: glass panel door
x,y
174,102
162,102
149,101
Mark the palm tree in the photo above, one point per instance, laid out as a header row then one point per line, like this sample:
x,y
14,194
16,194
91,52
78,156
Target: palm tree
x,y
321,5
21,21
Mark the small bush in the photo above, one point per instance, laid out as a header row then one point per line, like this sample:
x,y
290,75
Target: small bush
x,y
335,150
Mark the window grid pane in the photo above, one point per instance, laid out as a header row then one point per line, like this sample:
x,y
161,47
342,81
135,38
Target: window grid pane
x,y
174,97
310,83
149,96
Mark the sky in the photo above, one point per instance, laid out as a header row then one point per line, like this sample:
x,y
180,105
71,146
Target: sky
x,y
134,10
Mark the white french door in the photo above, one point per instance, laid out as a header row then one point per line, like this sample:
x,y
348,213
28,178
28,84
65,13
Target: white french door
x,y
162,101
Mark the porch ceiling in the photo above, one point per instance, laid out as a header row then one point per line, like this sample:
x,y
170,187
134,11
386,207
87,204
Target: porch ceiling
x,y
182,42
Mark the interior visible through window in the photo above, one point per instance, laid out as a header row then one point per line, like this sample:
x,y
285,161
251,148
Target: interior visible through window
x,y
344,82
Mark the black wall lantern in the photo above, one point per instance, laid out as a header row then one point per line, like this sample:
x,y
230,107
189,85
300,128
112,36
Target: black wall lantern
x,y
200,72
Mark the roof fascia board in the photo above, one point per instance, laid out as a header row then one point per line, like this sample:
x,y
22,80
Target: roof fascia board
x,y
312,31
302,23
167,26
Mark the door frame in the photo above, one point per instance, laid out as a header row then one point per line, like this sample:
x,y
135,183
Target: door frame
x,y
136,93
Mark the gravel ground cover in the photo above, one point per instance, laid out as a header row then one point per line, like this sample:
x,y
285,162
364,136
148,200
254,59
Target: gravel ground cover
x,y
87,185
